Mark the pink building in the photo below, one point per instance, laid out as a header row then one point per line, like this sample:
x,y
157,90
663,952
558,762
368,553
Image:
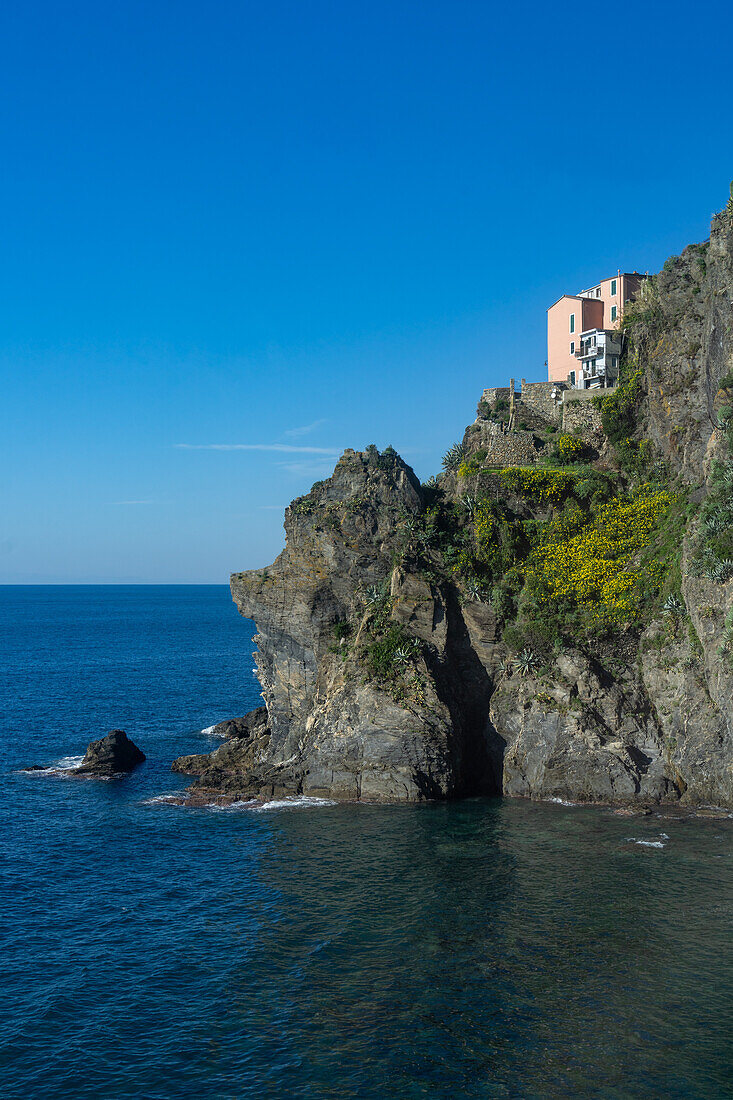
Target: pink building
x,y
583,341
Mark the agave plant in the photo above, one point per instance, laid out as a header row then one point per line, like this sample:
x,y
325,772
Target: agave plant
x,y
506,667
715,523
453,457
431,483
407,652
373,594
526,662
674,607
470,504
720,571
475,591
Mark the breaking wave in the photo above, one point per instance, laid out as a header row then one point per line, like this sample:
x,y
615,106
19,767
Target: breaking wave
x,y
297,802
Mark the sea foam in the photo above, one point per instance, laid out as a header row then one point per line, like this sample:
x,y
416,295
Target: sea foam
x,y
297,802
646,843
64,764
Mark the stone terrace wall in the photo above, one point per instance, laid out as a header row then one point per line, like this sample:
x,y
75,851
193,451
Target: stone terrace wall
x,y
505,448
581,418
538,397
491,396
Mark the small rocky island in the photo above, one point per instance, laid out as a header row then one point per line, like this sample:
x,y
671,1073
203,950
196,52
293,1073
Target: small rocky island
x,y
110,755
551,617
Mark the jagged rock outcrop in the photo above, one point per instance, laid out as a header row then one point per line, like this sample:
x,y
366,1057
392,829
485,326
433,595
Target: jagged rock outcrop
x,y
388,672
338,731
111,755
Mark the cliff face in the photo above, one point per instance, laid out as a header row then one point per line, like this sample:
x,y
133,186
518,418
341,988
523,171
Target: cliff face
x,y
557,628
334,728
686,348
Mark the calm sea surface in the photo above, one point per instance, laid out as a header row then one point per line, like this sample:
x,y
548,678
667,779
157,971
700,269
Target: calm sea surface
x,y
480,949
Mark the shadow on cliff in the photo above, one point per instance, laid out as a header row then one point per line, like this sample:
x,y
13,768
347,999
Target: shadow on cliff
x,y
465,687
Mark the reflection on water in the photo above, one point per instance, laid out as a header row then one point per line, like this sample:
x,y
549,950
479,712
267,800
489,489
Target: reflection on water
x,y
479,949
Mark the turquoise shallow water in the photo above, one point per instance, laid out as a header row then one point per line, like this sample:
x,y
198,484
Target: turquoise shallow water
x,y
482,949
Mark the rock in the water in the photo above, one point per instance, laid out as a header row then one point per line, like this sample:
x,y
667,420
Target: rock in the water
x,y
250,725
110,755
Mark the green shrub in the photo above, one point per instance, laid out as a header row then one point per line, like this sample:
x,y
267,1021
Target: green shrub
x,y
383,656
341,629
618,408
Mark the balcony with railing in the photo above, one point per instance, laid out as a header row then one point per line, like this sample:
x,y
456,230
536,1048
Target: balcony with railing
x,y
589,351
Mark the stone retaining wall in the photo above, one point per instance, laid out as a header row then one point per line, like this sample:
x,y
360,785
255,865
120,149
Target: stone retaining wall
x,y
543,398
581,418
496,393
505,448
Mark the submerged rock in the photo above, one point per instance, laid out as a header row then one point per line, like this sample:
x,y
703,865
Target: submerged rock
x,y
110,755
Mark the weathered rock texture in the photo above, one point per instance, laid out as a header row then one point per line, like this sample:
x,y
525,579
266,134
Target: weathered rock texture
x,y
111,755
638,718
333,731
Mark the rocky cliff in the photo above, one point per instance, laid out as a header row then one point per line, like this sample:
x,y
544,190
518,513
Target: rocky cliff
x,y
551,617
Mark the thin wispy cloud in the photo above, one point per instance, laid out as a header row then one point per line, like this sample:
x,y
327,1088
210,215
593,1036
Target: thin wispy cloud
x,y
282,448
295,433
308,469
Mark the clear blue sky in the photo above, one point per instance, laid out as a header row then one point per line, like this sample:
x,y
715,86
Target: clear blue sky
x,y
303,226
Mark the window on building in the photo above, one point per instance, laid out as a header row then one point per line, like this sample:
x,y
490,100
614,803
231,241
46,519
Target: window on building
x,y
614,311
598,292
614,361
572,347
571,376
593,367
572,322
613,288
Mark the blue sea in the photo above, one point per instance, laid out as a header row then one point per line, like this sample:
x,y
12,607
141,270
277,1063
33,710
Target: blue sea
x,y
485,948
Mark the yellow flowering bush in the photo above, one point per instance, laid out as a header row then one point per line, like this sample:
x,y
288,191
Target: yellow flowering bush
x,y
590,565
546,485
569,449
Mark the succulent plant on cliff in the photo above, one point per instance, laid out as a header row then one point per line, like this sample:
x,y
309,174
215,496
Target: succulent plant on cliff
x,y
506,667
470,505
376,594
475,591
406,653
673,607
714,523
453,457
526,662
709,566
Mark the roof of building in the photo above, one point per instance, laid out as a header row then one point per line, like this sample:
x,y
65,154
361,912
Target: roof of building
x,y
580,296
